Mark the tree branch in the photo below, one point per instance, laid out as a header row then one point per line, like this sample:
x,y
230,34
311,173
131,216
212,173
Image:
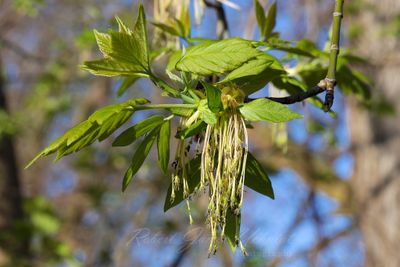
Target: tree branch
x,y
287,100
327,84
221,17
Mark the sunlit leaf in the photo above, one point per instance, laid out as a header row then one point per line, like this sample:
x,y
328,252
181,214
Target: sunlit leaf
x,y
263,109
98,126
217,57
205,113
256,73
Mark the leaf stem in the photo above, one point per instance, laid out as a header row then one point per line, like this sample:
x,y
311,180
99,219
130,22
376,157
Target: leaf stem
x,y
165,106
327,84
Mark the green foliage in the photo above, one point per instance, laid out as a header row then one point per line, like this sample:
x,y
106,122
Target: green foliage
x,y
256,73
139,157
210,80
193,183
266,23
98,126
177,27
126,52
216,57
266,110
131,134
256,178
163,145
213,97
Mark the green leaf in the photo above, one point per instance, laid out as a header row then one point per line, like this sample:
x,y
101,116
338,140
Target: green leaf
x,y
184,21
122,27
213,97
127,82
104,42
109,68
183,112
256,177
128,136
256,73
139,157
126,52
127,48
232,229
167,28
98,126
260,15
163,145
173,59
140,33
193,168
205,113
263,109
217,57
287,46
193,130
270,22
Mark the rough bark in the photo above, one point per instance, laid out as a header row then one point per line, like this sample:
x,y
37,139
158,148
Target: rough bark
x,y
11,211
376,140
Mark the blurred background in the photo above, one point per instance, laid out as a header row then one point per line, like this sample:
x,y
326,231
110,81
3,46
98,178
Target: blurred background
x,y
336,181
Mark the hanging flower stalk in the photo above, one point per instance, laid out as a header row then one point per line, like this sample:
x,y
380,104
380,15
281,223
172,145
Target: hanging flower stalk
x,y
223,163
212,152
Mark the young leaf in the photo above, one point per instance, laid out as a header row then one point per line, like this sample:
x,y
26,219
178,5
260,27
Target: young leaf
x,y
256,73
183,112
263,109
213,97
122,27
127,82
128,136
194,129
139,157
193,168
270,21
217,57
140,32
104,43
232,229
205,113
98,126
184,20
126,52
256,178
167,28
127,48
109,68
260,15
163,145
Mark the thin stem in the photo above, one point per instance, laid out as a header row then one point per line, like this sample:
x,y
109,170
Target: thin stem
x,y
221,17
287,100
335,39
328,84
166,106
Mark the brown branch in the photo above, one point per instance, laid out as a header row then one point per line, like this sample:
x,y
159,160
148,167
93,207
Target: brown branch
x,y
21,51
221,17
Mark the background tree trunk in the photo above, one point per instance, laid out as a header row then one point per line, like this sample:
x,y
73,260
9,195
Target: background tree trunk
x,y
11,210
376,140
